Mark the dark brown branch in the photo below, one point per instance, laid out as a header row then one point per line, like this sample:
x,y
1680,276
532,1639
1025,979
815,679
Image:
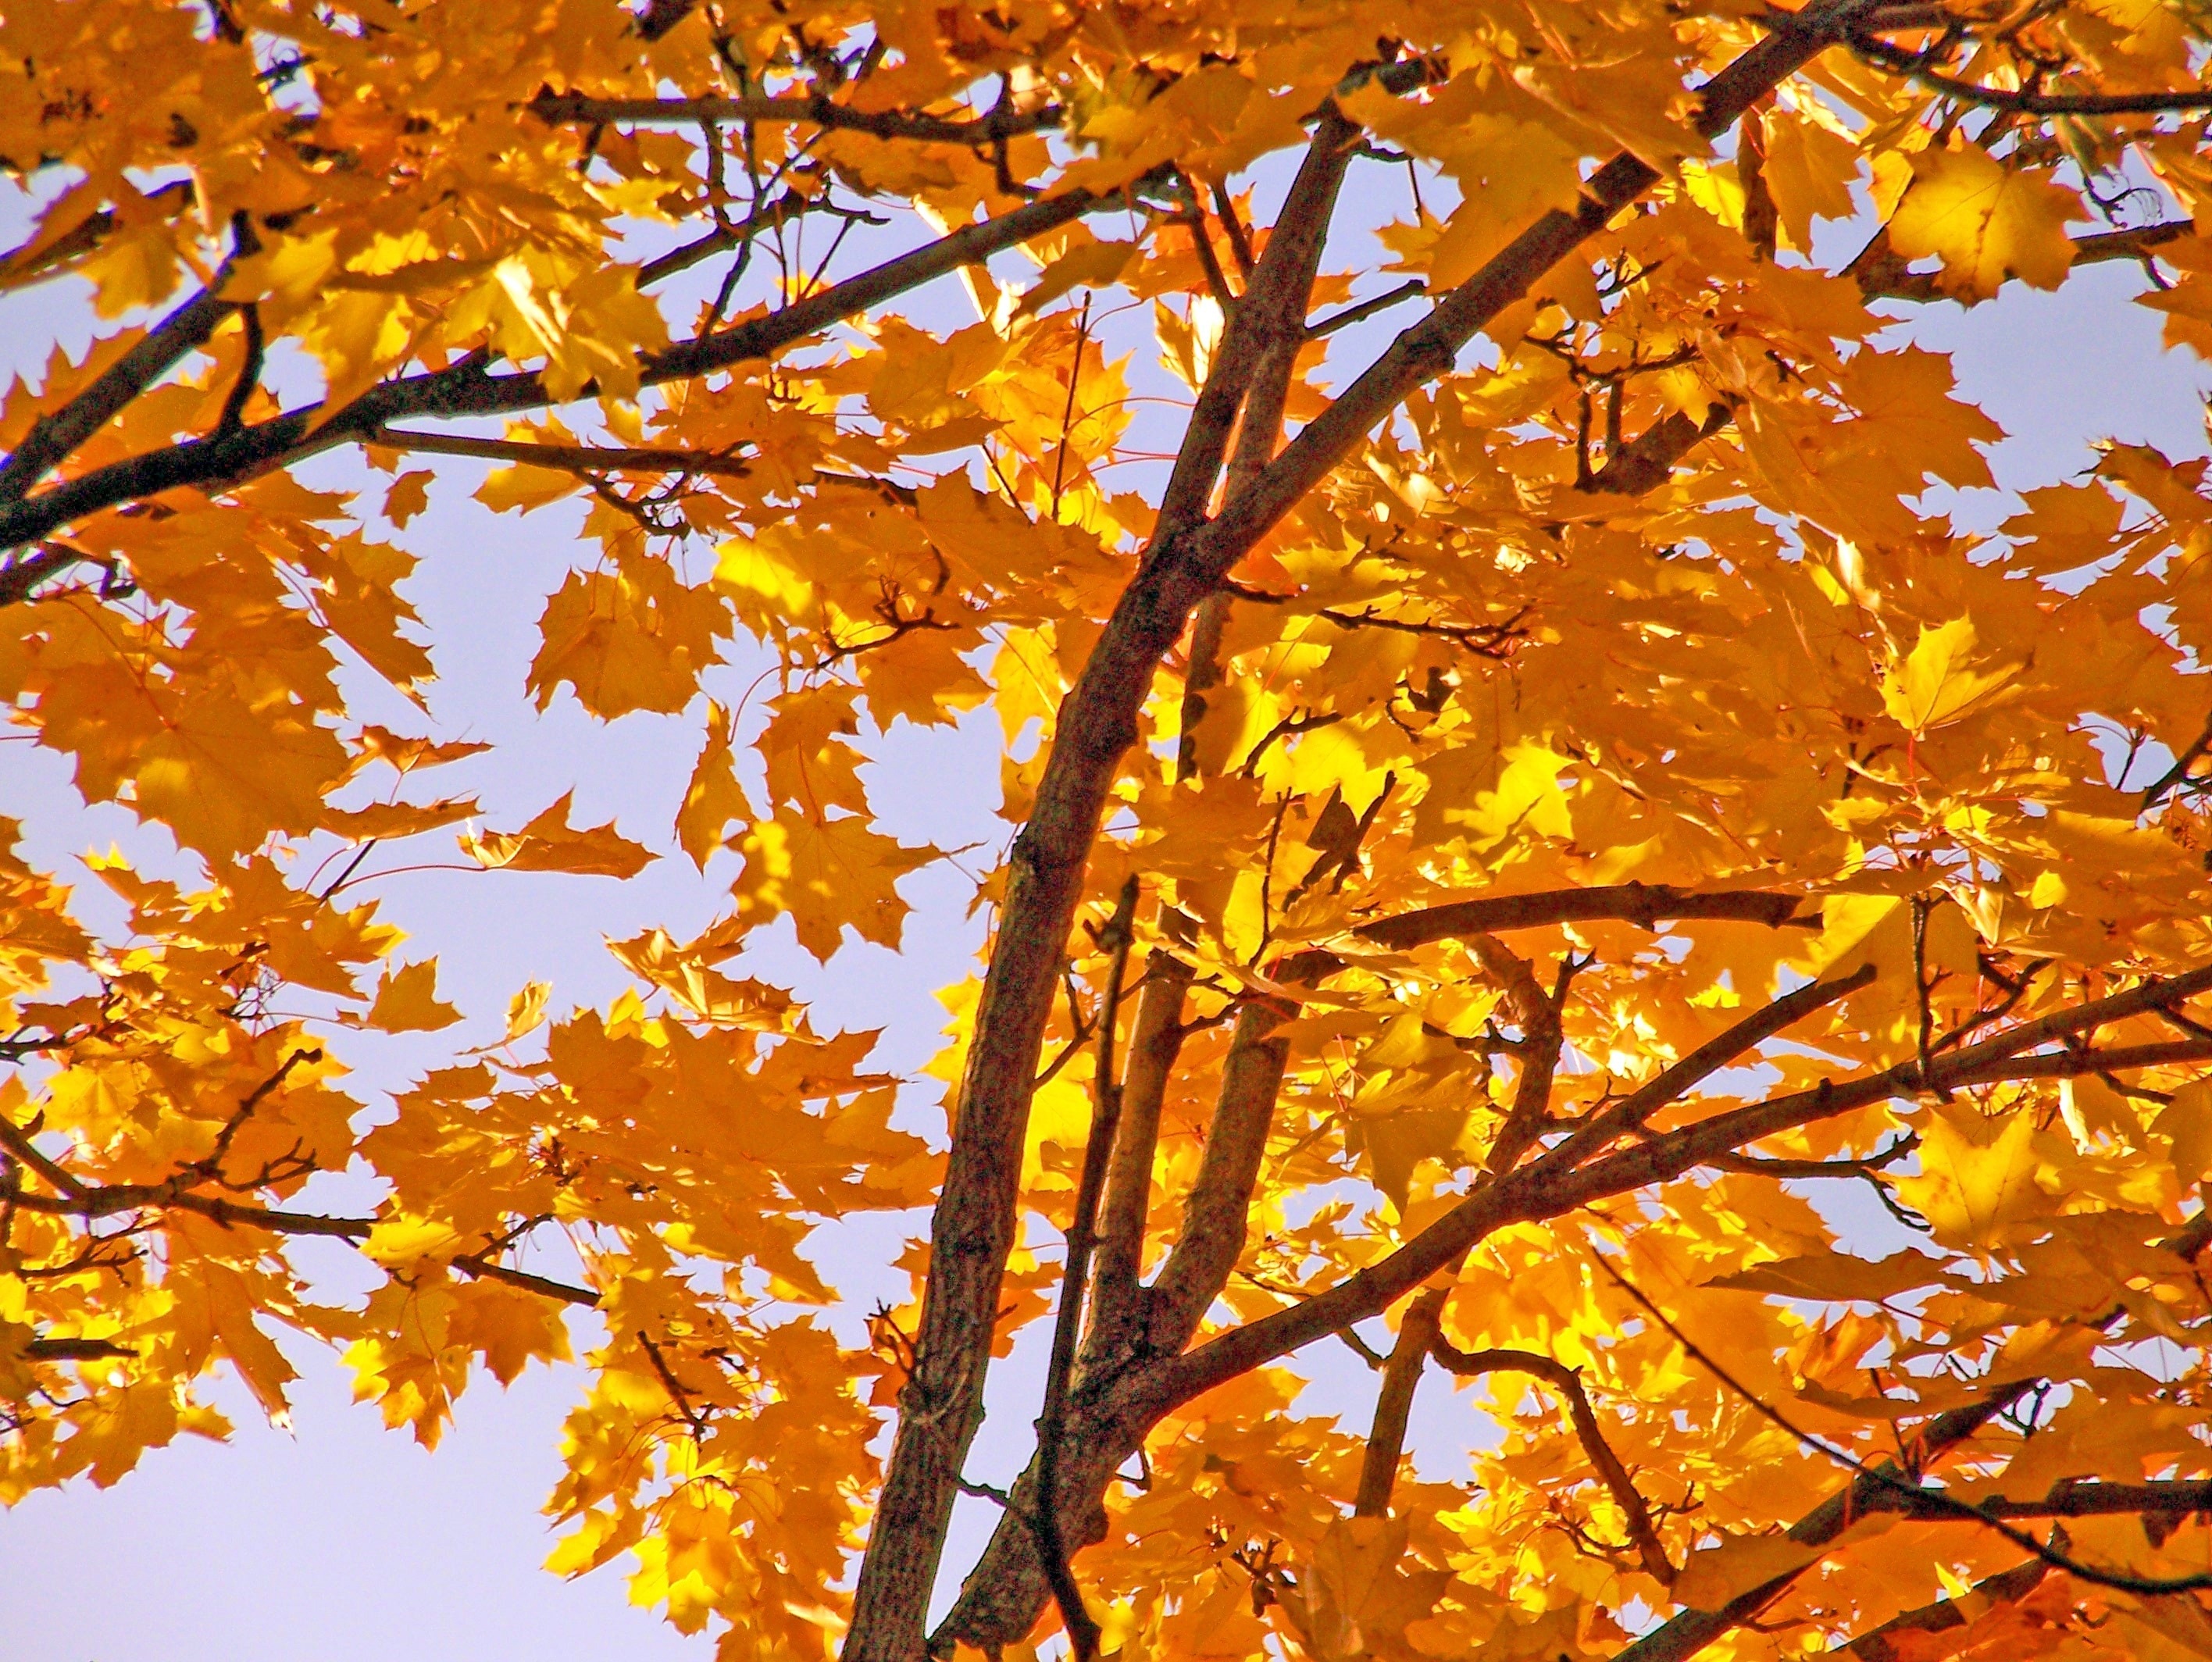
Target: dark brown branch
x,y
1898,61
1542,1040
2154,793
1155,1042
566,458
1722,1050
1642,1534
42,257
1647,905
790,206
659,17
1393,1403
75,1350
1763,1166
475,1264
560,109
2071,1499
233,415
1691,1630
1052,1424
1645,462
1910,1496
79,1199
1554,1184
1430,348
1216,1211
972,1227
467,389
55,436
23,574
1321,328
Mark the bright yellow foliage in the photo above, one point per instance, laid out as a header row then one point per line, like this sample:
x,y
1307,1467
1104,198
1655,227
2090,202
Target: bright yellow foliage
x,y
1515,791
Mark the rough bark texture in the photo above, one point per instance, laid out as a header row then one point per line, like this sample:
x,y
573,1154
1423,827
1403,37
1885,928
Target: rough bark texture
x,y
1393,1403
973,1228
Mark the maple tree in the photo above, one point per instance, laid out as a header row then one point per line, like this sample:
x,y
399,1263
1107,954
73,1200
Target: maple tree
x,y
1523,803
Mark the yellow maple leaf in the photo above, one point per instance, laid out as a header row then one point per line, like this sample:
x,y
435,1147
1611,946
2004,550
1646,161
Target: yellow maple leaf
x,y
635,638
714,799
1734,1565
1092,265
1977,1176
550,843
826,874
407,1001
1935,684
1985,221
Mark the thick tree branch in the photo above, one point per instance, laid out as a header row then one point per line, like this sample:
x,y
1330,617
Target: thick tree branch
x,y
1393,1403
1691,1630
1155,1042
972,1227
1647,905
55,436
1552,1185
1216,1212
1644,464
2007,1587
23,574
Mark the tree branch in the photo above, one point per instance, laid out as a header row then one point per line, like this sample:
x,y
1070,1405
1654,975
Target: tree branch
x,y
1691,1630
1553,1185
1215,1213
1628,1115
819,110
972,1226
55,436
566,458
1542,1040
466,389
1155,1042
1642,1534
1393,1403
2007,1587
1052,1424
1898,61
1908,1495
1647,905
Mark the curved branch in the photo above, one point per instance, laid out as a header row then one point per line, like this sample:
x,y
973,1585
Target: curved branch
x,y
1568,1382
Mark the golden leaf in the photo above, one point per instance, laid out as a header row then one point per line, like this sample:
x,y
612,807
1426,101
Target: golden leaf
x,y
1985,221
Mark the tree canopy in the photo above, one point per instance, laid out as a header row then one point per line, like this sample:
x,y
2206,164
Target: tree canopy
x,y
1533,812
